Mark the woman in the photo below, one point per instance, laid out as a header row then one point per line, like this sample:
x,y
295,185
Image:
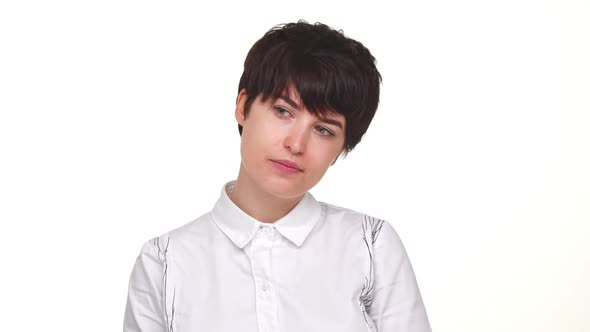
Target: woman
x,y
268,256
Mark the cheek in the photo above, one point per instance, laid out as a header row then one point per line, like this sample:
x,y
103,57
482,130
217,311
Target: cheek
x,y
321,156
247,147
254,148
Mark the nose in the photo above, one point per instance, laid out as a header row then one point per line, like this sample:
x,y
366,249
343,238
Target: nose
x,y
296,140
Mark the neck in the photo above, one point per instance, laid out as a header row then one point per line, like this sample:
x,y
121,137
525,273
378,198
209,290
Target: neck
x,y
257,203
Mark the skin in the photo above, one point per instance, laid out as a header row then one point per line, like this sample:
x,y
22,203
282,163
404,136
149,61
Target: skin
x,y
282,130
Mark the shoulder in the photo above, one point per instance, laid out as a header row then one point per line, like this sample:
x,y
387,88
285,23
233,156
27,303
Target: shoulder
x,y
184,236
373,227
379,236
335,212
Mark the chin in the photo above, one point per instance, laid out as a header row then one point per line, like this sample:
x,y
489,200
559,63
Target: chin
x,y
284,188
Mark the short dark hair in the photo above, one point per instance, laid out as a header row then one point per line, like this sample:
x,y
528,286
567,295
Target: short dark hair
x,y
329,71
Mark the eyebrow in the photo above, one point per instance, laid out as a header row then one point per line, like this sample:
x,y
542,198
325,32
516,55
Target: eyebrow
x,y
296,106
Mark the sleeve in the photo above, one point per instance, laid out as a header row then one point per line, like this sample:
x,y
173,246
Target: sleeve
x,y
144,310
396,304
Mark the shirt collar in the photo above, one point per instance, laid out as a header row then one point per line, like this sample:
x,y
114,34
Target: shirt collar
x,y
241,227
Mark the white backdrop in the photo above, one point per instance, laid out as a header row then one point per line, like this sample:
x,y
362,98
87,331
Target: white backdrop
x,y
117,125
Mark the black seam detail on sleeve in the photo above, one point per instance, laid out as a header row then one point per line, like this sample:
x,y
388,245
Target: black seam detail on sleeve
x,y
162,256
366,296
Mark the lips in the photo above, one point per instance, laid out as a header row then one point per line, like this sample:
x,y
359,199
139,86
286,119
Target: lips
x,y
289,164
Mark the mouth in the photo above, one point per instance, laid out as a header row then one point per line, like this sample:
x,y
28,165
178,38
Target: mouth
x,y
288,165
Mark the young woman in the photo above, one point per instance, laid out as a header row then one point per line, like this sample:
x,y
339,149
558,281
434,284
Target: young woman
x,y
268,256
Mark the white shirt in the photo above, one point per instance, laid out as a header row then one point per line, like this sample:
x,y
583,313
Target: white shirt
x,y
319,268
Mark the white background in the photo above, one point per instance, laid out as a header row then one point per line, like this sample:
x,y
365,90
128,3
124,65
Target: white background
x,y
117,125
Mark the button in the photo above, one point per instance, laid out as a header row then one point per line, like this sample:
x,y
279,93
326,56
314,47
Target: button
x,y
267,232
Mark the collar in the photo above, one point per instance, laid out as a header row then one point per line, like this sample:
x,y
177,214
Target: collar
x,y
241,227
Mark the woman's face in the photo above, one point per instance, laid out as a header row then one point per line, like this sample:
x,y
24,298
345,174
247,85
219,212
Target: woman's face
x,y
285,149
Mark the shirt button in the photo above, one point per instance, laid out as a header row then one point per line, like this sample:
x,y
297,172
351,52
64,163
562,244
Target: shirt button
x,y
266,232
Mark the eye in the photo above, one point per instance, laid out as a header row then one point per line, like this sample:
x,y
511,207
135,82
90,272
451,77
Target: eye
x,y
281,112
324,131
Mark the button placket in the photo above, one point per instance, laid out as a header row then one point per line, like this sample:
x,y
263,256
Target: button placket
x,y
261,268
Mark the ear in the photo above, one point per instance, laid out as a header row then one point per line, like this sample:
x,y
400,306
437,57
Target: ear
x,y
240,103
